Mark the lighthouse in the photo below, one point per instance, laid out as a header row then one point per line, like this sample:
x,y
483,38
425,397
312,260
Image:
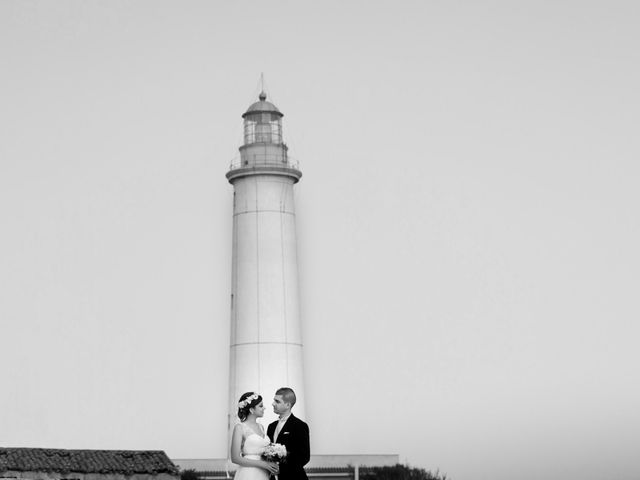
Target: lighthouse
x,y
266,339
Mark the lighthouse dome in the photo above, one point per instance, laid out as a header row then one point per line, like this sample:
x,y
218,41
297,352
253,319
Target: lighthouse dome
x,y
262,106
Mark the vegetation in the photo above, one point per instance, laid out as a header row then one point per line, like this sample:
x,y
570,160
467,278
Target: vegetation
x,y
400,472
189,474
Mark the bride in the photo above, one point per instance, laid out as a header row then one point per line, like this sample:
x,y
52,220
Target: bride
x,y
248,441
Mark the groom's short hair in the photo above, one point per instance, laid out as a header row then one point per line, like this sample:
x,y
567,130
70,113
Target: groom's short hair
x,y
288,395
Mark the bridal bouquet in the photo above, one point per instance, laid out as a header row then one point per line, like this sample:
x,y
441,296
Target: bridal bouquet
x,y
274,452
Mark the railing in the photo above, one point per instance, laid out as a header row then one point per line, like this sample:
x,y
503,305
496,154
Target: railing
x,y
332,473
263,160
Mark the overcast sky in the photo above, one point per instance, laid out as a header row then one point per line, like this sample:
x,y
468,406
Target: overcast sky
x,y
468,225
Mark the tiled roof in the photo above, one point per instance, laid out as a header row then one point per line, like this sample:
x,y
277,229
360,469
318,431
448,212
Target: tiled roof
x,y
127,462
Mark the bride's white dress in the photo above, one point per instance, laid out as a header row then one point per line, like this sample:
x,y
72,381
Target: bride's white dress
x,y
252,447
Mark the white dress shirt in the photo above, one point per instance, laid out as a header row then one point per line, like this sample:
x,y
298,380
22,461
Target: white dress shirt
x,y
281,423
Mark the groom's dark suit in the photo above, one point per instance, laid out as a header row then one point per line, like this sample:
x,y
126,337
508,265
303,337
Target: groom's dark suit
x,y
295,437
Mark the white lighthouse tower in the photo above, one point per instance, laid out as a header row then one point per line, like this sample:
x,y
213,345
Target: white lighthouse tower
x,y
266,340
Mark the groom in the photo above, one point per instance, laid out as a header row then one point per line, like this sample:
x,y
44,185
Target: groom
x,y
291,432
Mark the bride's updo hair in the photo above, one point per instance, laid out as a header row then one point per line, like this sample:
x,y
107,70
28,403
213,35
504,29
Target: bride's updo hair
x,y
247,402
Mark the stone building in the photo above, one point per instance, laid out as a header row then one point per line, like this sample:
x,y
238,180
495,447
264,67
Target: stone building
x,y
57,464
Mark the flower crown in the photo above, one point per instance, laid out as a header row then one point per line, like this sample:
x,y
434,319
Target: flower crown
x,y
248,400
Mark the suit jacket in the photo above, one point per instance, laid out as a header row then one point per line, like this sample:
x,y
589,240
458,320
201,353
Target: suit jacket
x,y
295,437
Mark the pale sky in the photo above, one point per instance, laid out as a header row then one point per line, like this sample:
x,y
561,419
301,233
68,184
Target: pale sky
x,y
468,225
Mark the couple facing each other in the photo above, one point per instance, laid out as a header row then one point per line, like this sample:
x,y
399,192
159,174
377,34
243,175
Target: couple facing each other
x,y
249,439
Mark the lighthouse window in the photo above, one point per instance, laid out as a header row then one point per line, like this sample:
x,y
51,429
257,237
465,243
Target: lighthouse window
x,y
275,132
249,131
262,127
263,133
